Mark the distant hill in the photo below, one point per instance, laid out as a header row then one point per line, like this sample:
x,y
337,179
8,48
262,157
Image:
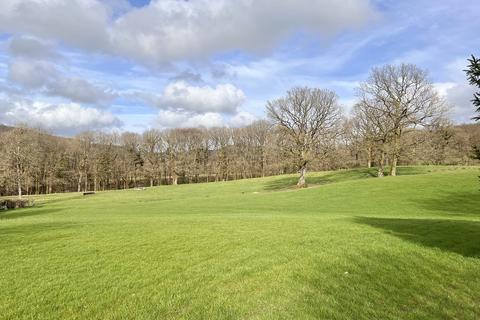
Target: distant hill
x,y
4,128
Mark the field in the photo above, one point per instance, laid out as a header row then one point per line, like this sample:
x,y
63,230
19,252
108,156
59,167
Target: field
x,y
349,247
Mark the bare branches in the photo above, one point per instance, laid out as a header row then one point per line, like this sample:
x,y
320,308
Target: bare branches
x,y
395,100
305,116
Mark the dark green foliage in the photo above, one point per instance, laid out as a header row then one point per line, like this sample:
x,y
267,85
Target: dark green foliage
x,y
476,152
473,76
16,203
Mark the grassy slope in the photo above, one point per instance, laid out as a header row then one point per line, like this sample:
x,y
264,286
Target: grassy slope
x,y
406,247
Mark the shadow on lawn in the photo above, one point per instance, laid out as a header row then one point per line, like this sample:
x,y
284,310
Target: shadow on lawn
x,y
464,203
36,228
15,236
27,212
336,176
339,176
458,236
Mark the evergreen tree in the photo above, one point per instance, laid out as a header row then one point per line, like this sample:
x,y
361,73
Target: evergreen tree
x,y
473,76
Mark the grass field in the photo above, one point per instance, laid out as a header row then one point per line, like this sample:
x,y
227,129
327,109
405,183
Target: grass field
x,y
350,247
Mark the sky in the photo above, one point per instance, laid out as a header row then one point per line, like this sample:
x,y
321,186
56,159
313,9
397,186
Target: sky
x,y
72,65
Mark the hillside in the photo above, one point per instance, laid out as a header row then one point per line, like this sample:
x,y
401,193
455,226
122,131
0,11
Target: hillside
x,y
350,246
4,128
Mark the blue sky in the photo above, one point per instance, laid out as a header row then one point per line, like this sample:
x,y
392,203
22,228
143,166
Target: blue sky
x,y
68,66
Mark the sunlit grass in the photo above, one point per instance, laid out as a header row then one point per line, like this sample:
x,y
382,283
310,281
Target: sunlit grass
x,y
352,246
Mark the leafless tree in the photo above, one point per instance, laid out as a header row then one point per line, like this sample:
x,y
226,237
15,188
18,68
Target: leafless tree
x,y
106,154
20,153
402,97
32,161
305,116
151,146
131,143
260,138
375,130
85,144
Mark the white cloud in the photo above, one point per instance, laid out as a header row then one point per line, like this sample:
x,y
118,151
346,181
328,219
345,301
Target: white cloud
x,y
242,119
180,119
459,95
70,117
180,96
33,74
172,119
347,104
207,120
30,47
188,76
172,30
82,23
79,90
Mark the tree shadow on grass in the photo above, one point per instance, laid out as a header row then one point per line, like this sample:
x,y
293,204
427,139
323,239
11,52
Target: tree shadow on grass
x,y
330,177
27,212
377,283
59,198
458,236
35,228
459,203
339,176
15,236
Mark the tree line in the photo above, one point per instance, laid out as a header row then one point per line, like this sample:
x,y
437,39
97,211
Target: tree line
x,y
398,119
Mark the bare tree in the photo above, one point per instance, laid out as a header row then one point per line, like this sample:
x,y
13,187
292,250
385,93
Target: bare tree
x,y
32,161
305,116
20,152
375,130
172,153
106,154
131,143
259,130
404,98
151,148
221,139
85,142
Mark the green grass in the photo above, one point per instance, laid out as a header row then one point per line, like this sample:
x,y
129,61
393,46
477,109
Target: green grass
x,y
350,247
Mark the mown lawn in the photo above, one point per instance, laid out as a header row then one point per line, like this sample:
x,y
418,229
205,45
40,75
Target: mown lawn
x,y
350,247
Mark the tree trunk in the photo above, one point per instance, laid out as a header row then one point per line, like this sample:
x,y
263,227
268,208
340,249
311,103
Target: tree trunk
x,y
369,157
396,151
380,165
151,182
19,181
263,165
393,167
301,180
174,179
79,185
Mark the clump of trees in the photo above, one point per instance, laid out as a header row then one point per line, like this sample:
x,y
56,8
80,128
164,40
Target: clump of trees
x,y
394,101
398,119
